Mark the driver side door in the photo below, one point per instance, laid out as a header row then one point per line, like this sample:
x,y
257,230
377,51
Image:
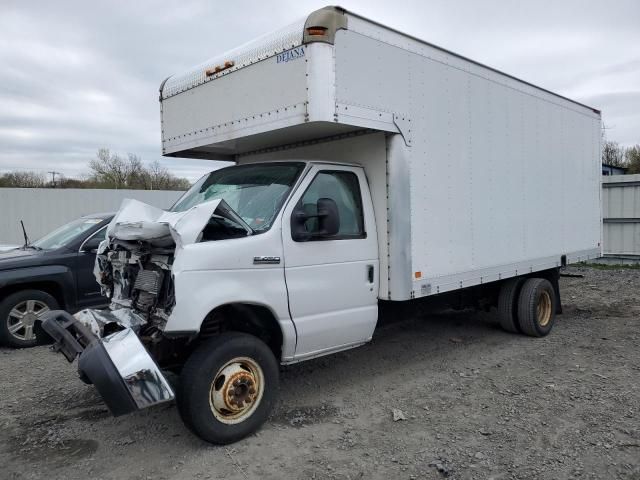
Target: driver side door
x,y
332,282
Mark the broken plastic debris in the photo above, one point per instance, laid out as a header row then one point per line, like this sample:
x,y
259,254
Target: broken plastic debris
x,y
97,319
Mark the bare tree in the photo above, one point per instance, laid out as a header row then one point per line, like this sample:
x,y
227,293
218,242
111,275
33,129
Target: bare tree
x,y
161,179
632,157
613,154
23,180
109,170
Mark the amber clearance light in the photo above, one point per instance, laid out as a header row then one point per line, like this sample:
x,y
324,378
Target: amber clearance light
x,y
316,31
219,68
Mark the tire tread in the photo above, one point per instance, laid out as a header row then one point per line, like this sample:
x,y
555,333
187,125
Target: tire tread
x,y
508,304
527,303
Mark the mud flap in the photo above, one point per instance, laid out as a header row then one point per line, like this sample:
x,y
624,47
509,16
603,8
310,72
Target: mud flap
x,y
118,365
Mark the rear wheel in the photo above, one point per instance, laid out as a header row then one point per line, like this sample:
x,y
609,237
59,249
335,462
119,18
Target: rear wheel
x,y
20,315
228,387
508,304
536,307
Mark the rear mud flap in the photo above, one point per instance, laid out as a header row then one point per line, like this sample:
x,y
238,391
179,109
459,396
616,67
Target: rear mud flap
x,y
118,365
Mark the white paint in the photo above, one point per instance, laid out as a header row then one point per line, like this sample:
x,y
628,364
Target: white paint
x,y
331,301
368,151
210,274
501,176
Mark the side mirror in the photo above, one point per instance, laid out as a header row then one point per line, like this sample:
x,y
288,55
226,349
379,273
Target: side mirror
x,y
328,223
92,244
328,217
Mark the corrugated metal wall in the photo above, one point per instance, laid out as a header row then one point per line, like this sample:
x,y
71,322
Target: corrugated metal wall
x,y
43,209
621,214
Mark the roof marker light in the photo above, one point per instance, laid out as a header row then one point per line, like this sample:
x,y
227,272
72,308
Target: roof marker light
x,y
316,31
218,68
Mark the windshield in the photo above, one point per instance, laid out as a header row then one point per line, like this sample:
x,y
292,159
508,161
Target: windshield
x,y
66,233
255,192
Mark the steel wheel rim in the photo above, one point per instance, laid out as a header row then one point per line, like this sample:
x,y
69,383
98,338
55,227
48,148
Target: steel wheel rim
x,y
543,309
236,390
22,319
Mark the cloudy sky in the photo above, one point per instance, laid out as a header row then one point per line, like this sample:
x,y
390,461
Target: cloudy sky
x,y
78,76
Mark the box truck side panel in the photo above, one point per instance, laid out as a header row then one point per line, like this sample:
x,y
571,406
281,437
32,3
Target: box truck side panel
x,y
504,177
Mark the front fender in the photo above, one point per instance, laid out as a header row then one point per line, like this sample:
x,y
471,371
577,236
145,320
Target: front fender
x,y
201,291
59,275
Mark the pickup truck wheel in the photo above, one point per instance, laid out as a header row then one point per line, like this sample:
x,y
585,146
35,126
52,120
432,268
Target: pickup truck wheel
x,y
508,304
228,387
536,307
20,317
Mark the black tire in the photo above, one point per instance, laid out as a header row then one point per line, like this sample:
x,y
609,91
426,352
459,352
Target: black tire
x,y
201,376
537,307
22,337
508,304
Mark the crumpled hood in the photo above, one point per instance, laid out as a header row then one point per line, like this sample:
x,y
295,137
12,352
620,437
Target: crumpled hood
x,y
139,221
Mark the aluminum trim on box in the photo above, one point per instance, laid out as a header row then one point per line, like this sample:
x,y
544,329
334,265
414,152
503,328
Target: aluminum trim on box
x,y
434,285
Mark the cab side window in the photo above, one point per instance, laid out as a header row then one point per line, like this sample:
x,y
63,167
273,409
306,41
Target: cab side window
x,y
344,189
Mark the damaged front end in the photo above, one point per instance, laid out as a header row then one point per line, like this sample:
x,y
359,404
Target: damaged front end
x,y
118,365
136,277
120,348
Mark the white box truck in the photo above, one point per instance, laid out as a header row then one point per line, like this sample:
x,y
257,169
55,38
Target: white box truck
x,y
371,168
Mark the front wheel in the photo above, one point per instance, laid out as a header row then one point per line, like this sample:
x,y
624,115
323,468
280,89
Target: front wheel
x,y
228,387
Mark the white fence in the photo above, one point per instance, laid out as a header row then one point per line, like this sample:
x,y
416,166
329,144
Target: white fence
x,y
621,215
43,209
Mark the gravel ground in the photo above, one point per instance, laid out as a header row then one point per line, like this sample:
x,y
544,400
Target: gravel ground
x,y
477,403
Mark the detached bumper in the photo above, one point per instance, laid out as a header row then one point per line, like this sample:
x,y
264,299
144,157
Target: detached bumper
x,y
118,365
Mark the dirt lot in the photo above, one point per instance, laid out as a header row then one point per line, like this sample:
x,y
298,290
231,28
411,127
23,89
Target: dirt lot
x,y
478,402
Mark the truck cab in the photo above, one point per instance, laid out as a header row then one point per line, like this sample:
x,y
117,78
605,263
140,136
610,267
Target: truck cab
x,y
304,238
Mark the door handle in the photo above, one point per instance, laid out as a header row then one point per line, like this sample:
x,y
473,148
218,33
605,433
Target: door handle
x,y
370,272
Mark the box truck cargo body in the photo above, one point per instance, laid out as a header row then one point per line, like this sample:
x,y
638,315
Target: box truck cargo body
x,y
485,175
371,167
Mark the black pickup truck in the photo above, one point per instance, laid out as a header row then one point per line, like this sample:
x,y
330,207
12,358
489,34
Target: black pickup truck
x,y
55,272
